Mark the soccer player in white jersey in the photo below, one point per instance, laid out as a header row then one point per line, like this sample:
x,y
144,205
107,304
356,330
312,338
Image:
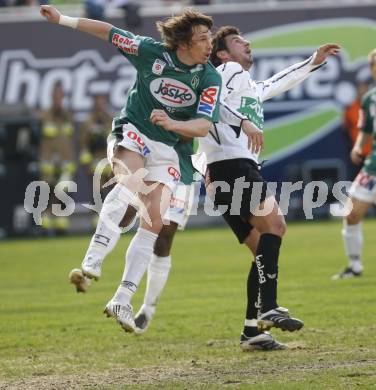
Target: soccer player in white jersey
x,y
228,153
225,156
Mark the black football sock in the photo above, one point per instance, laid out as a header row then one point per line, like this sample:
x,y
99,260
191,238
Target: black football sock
x,y
267,265
250,326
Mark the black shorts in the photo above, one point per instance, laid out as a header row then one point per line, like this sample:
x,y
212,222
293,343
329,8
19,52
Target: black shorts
x,y
238,202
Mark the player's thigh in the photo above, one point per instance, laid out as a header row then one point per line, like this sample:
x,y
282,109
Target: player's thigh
x,y
272,221
126,162
358,210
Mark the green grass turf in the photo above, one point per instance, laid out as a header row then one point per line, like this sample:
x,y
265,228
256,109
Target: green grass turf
x,y
51,337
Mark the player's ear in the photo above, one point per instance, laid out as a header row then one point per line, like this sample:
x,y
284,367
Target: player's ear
x,y
223,55
184,45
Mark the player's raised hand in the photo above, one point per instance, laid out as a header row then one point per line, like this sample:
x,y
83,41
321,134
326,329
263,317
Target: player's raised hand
x,y
324,51
50,13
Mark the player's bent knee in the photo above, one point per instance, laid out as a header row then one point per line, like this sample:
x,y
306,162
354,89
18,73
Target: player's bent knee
x,y
279,228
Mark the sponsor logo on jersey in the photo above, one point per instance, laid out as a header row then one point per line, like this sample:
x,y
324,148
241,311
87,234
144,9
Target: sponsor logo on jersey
x,y
195,81
158,67
174,173
207,101
172,93
252,108
140,143
125,44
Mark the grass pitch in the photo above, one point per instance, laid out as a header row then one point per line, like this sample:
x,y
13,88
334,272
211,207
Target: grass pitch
x,y
53,338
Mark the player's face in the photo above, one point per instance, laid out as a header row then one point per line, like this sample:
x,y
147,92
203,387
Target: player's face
x,y
200,46
239,50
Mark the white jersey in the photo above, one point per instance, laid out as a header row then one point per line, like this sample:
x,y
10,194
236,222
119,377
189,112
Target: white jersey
x,y
242,98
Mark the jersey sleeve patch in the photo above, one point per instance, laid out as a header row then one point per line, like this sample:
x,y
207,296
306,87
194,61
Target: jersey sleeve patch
x,y
208,100
126,44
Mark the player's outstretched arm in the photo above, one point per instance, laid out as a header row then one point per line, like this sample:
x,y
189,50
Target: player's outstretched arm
x,y
324,51
192,128
297,73
92,27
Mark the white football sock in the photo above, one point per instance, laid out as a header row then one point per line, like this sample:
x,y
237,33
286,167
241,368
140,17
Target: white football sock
x,y
108,231
353,240
158,271
138,257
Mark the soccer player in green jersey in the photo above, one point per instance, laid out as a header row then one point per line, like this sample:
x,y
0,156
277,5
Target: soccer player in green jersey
x,y
363,189
160,265
175,95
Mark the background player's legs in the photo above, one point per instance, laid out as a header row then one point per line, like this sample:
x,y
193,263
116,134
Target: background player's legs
x,y
157,275
271,228
353,239
251,338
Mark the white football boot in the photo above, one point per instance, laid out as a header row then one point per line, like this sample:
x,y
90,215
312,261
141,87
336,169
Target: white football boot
x,y
122,313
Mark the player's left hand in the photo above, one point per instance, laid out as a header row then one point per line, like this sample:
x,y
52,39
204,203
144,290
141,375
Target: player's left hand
x,y
160,118
255,136
324,51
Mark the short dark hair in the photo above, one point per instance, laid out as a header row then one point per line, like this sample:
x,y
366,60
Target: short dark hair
x,y
219,42
179,29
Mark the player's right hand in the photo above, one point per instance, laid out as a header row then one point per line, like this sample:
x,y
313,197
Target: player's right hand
x,y
356,156
50,13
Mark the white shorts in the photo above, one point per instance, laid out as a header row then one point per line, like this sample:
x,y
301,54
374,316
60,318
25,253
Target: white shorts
x,y
180,205
161,160
363,188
